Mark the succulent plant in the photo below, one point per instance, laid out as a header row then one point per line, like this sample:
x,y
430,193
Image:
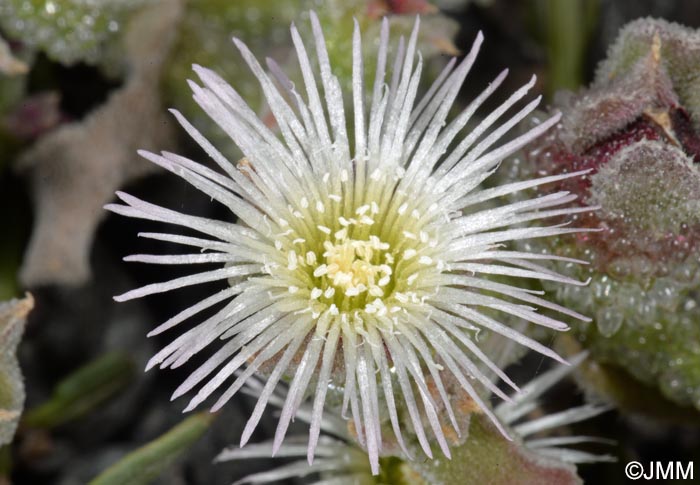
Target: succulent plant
x,y
534,455
635,129
13,318
69,31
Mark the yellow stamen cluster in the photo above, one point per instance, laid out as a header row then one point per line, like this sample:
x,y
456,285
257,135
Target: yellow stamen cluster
x,y
356,261
351,266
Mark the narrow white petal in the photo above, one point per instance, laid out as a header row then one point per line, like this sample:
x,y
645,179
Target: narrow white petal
x,y
563,418
327,363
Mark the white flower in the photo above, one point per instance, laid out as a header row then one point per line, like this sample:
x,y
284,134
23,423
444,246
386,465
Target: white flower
x,y
338,458
341,461
361,267
557,447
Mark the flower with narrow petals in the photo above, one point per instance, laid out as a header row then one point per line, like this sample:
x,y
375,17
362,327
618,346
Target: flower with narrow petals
x,y
530,431
360,261
341,461
338,457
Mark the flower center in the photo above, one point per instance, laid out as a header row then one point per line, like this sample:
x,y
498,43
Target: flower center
x,y
356,267
356,262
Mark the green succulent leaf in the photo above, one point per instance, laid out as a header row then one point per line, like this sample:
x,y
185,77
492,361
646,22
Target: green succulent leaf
x,y
143,465
13,318
83,391
487,457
